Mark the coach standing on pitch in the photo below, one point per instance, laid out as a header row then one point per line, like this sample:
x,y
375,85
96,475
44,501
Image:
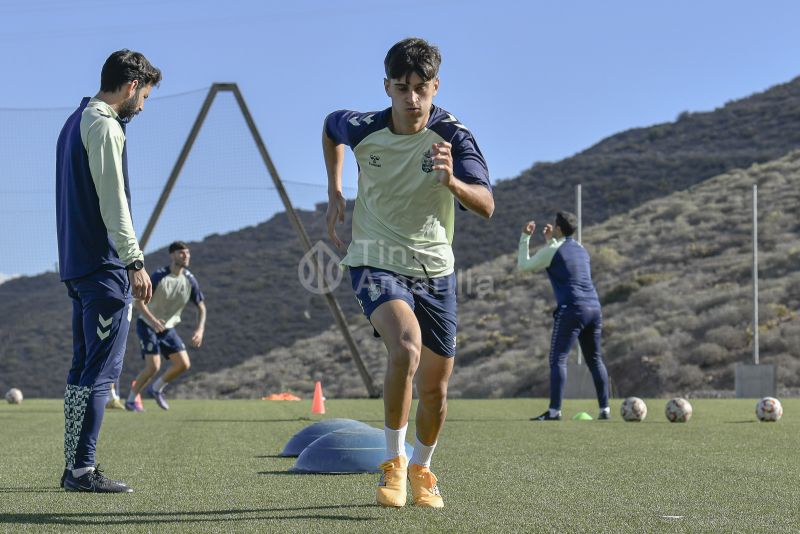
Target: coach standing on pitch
x,y
99,257
578,312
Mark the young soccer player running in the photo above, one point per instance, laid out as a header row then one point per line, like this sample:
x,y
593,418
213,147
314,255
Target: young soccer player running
x,y
173,287
577,315
99,258
415,161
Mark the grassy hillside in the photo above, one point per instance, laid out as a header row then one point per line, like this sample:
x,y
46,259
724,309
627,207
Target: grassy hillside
x,y
257,305
673,275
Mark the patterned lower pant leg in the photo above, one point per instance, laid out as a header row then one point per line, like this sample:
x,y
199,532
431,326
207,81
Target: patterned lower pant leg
x,y
75,399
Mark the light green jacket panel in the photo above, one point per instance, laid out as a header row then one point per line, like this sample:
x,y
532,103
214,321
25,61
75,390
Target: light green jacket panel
x,y
542,258
104,141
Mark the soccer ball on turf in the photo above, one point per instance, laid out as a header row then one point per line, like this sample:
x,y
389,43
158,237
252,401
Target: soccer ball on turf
x,y
769,409
14,396
633,409
678,410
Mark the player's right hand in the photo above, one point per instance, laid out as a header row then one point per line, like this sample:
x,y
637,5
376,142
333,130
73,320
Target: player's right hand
x,y
529,227
159,326
141,286
335,213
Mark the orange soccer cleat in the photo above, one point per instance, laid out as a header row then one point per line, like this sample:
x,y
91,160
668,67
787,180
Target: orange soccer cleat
x,y
392,485
424,490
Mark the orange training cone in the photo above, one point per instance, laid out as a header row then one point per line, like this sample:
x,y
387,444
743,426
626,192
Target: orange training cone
x,y
318,404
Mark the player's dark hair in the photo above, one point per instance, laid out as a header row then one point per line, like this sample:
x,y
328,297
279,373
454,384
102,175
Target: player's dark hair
x,y
412,55
125,66
568,222
177,245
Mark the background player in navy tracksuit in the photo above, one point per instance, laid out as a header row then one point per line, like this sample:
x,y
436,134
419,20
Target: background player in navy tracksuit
x,y
100,261
578,309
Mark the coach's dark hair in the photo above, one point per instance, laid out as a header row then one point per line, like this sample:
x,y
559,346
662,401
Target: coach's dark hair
x,y
412,55
568,222
124,66
177,245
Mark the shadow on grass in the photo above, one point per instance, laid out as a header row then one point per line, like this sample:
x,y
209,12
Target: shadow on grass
x,y
31,490
295,420
738,422
211,516
27,411
273,456
296,473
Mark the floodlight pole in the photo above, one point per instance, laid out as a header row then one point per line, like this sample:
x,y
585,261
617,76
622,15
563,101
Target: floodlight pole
x,y
335,309
578,212
755,274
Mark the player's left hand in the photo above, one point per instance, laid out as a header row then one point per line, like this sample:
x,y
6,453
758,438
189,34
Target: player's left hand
x,y
197,337
443,162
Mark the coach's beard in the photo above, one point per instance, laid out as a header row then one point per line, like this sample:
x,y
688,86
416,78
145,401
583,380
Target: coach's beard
x,y
127,110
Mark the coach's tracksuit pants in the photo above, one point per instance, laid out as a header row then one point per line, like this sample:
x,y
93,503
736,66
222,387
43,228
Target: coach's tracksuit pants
x,y
584,324
101,318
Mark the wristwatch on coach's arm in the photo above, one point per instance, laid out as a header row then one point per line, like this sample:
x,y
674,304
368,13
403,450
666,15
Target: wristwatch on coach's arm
x,y
136,265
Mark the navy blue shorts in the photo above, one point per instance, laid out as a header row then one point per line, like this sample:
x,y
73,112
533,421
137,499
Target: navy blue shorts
x,y
432,299
166,343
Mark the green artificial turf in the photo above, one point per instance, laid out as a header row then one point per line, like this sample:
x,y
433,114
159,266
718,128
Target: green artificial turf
x,y
212,466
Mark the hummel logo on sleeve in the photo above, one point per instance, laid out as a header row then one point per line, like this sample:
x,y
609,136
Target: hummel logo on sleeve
x,y
367,120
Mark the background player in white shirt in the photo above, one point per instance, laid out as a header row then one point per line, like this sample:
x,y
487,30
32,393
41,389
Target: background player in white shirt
x,y
173,287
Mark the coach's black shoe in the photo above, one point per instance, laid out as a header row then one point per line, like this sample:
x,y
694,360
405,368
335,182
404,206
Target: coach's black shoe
x,y
95,482
66,471
604,415
546,417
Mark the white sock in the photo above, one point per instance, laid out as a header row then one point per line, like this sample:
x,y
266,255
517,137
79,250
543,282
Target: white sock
x,y
554,413
132,396
607,409
159,385
82,471
422,454
395,442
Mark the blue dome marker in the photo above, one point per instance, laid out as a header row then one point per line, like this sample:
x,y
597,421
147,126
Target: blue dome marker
x,y
307,435
350,450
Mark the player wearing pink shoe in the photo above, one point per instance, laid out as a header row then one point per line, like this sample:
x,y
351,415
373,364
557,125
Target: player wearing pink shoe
x,y
173,287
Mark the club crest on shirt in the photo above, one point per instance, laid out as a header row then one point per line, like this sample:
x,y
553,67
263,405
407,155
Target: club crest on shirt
x,y
375,160
374,292
427,161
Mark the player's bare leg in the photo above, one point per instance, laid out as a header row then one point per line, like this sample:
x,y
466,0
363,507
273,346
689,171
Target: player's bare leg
x,y
180,363
152,363
395,322
433,376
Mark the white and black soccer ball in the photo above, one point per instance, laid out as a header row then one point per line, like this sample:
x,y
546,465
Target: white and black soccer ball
x,y
769,409
678,410
14,396
633,409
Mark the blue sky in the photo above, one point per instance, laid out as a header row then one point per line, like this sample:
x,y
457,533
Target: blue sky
x,y
534,81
